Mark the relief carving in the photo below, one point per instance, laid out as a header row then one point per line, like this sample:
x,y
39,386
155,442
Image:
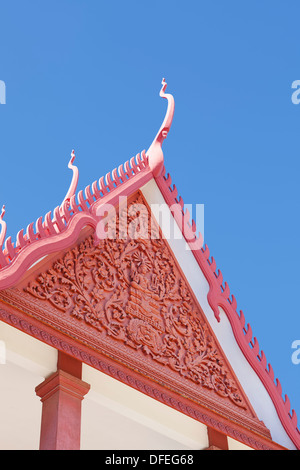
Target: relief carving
x,y
133,291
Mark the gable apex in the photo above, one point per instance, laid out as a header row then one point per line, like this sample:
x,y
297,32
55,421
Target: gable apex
x,y
59,231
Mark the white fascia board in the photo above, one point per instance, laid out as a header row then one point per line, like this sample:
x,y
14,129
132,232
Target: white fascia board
x,y
249,380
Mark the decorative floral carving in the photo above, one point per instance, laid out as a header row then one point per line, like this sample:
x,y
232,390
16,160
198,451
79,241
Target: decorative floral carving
x,y
132,291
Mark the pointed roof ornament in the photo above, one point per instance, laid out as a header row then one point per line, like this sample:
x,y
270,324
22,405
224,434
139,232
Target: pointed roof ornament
x,y
155,153
3,227
74,182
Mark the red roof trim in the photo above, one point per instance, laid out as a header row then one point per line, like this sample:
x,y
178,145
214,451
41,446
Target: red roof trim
x,y
59,232
219,296
60,229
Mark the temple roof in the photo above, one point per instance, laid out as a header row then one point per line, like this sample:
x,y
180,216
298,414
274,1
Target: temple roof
x,y
60,229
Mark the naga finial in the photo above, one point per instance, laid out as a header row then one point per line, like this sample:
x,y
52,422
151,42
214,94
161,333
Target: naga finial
x,y
74,182
3,227
166,125
155,153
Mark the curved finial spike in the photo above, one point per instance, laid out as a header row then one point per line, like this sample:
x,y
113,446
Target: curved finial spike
x,y
166,125
74,182
72,158
155,153
3,227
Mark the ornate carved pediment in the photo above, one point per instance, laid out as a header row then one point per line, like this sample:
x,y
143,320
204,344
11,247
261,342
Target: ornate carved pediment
x,y
128,298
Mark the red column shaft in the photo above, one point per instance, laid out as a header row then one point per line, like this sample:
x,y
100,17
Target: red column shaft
x,y
216,440
61,395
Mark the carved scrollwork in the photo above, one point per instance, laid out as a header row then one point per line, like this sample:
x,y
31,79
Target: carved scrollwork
x,y
132,291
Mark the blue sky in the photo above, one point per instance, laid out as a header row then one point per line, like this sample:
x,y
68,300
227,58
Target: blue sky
x,y
86,75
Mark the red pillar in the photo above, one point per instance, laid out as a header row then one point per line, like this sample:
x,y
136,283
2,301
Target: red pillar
x,y
216,440
61,395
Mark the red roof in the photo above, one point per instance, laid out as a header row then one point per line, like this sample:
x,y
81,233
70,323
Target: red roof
x,y
58,230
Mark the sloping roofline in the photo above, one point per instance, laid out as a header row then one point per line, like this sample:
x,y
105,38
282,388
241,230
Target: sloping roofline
x,y
61,229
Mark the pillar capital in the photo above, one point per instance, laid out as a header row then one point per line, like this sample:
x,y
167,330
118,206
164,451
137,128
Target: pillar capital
x,y
61,381
61,395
